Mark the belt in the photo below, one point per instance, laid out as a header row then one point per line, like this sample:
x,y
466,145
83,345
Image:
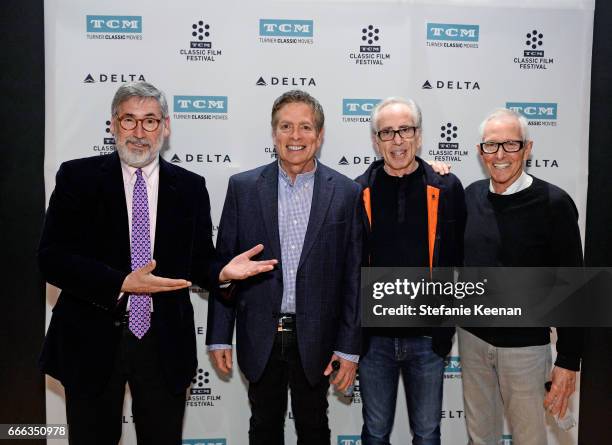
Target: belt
x,y
286,323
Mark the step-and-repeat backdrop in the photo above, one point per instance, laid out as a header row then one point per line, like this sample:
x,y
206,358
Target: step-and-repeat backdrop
x,y
221,65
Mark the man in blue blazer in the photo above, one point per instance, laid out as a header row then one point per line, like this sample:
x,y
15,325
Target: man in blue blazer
x,y
112,221
294,321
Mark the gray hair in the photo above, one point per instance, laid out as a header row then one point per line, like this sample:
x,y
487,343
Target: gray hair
x,y
502,113
415,110
299,96
139,89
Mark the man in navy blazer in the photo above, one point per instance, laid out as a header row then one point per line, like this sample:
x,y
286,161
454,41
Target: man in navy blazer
x,y
86,251
292,322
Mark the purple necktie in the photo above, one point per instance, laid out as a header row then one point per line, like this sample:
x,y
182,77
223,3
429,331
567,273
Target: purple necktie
x,y
140,304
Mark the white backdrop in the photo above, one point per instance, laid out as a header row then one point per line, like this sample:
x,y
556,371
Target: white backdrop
x,y
221,65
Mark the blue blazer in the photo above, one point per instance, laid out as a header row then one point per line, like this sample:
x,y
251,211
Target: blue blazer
x,y
85,251
328,275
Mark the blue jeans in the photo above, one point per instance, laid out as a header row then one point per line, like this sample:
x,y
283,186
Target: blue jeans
x,y
422,371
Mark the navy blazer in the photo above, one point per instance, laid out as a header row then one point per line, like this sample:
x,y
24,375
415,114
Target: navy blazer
x,y
85,251
328,275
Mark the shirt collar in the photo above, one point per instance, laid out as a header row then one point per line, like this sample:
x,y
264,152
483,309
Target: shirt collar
x,y
521,183
300,178
148,170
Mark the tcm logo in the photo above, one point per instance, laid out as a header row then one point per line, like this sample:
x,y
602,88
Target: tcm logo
x,y
534,110
200,104
204,441
349,440
534,41
114,23
285,28
452,364
358,107
197,383
453,32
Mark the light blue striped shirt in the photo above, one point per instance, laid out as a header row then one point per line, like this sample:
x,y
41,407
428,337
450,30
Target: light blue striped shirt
x,y
294,203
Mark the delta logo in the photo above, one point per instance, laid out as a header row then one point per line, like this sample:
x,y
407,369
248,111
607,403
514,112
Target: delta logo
x,y
456,85
113,78
285,81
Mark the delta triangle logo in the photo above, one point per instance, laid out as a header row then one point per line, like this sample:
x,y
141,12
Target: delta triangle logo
x,y
426,85
89,79
343,161
261,82
175,159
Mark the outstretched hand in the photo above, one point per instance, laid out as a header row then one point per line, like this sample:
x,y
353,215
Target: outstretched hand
x,y
242,267
142,281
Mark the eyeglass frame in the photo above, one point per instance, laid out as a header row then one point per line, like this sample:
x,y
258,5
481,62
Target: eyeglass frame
x,y
521,146
121,119
414,131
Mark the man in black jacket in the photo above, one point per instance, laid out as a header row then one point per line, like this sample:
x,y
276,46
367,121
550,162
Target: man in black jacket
x,y
118,319
515,219
415,218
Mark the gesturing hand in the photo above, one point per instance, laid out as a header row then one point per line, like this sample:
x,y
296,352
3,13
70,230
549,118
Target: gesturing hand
x,y
241,266
142,281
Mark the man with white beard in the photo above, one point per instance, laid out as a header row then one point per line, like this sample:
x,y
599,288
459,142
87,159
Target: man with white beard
x,y
117,225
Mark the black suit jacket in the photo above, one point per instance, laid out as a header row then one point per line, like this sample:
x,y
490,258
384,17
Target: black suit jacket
x,y
85,251
327,279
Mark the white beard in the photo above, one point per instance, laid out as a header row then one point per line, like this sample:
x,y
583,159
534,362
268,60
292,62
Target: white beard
x,y
135,158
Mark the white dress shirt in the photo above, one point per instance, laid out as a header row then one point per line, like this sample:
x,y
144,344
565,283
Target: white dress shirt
x,y
521,183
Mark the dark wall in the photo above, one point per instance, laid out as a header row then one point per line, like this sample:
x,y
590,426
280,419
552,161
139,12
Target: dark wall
x,y
596,382
22,317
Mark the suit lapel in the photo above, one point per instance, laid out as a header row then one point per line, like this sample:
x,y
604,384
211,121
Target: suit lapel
x,y
267,189
166,203
321,198
113,197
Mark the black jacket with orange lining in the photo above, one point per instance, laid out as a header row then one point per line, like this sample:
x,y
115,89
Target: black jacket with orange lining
x,y
446,214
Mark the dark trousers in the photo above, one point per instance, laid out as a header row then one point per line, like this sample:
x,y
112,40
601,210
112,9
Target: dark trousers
x,y
268,398
157,412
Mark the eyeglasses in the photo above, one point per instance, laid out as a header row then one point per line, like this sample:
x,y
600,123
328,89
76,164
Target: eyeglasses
x,y
148,123
388,134
491,147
